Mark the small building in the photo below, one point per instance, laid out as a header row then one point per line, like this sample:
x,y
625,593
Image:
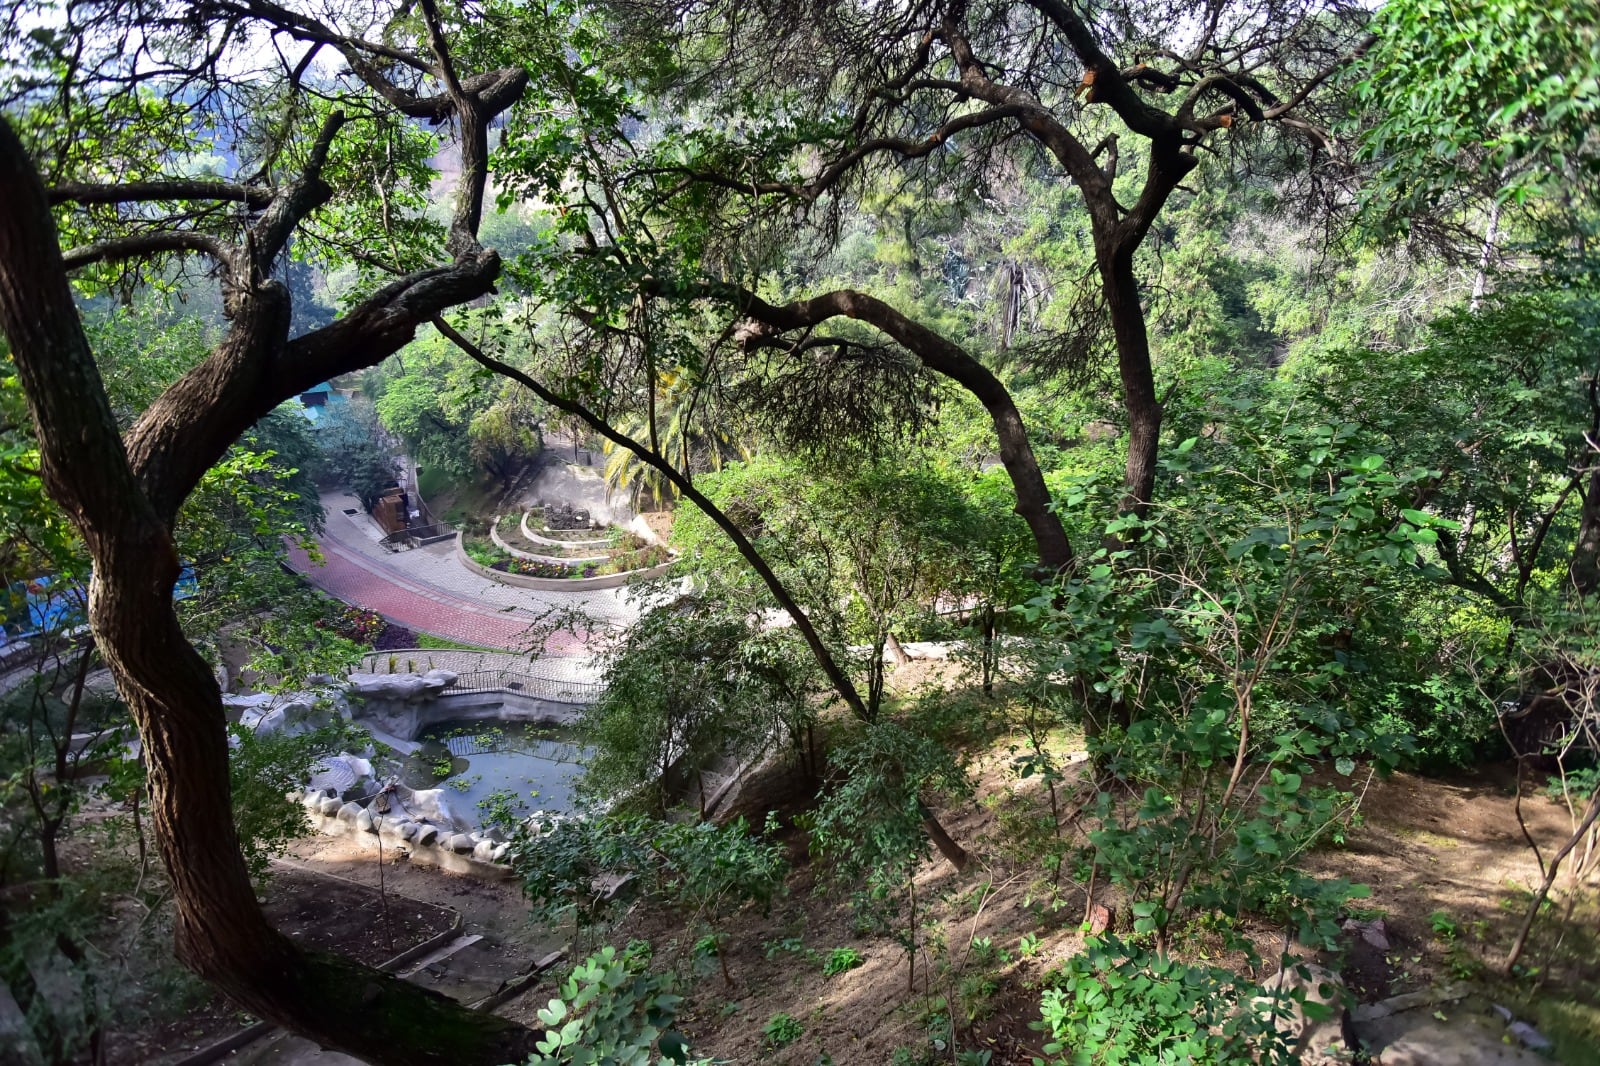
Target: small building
x,y
319,402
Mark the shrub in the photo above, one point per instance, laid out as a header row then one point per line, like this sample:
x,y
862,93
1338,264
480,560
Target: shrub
x,y
1118,1002
782,1030
841,960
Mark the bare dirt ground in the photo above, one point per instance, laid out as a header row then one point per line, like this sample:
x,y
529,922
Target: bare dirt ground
x,y
318,912
1424,845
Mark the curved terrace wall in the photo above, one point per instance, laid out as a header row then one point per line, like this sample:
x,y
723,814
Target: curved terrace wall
x,y
561,584
499,542
555,542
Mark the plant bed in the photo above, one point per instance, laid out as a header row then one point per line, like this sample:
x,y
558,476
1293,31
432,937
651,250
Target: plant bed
x,y
509,530
316,912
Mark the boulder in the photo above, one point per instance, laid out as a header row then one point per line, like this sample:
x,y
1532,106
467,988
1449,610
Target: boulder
x,y
403,687
1374,932
1307,1002
350,812
330,807
427,835
430,805
266,712
364,822
461,844
484,852
499,853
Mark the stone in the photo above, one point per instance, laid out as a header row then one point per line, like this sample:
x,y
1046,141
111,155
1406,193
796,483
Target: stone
x,y
329,808
403,687
461,844
427,835
484,851
1374,932
1529,1037
1439,1036
408,830
350,812
430,805
365,823
499,852
1320,1035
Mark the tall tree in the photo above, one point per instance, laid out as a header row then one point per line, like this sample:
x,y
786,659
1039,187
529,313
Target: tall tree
x,y
944,88
87,108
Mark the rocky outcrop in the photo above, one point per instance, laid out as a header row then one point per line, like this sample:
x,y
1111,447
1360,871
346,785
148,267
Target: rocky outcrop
x,y
403,687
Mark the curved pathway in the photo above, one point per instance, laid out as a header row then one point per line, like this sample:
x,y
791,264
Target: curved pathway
x,y
428,590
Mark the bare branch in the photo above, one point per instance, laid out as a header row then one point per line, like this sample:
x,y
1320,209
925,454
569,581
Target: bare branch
x,y
253,196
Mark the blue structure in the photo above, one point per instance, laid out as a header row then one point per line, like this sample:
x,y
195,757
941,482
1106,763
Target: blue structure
x,y
320,402
44,605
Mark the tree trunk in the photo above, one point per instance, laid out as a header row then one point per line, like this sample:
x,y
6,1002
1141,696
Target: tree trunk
x,y
124,512
955,853
1121,289
1584,570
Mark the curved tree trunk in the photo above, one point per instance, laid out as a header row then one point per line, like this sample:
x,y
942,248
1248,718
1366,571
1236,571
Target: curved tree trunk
x,y
950,360
124,512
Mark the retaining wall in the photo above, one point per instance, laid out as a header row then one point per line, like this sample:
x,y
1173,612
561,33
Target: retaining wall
x,y
561,584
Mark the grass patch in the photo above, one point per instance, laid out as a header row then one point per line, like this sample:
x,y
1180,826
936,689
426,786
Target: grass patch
x,y
1574,1028
428,640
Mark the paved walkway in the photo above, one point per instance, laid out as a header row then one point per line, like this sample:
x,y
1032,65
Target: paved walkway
x,y
429,590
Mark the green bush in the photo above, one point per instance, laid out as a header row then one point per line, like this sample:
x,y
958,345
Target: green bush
x,y
1120,1003
841,960
782,1030
611,1012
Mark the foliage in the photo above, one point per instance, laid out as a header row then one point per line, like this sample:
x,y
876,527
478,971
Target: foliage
x,y
1117,1002
611,1012
841,960
263,768
1501,88
697,679
782,1030
705,872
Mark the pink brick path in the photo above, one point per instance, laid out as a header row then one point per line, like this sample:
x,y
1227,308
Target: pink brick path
x,y
369,584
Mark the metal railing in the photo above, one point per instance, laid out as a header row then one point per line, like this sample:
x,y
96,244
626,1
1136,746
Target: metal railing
x,y
556,690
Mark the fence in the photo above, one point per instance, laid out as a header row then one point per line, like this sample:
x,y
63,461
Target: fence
x,y
523,683
429,534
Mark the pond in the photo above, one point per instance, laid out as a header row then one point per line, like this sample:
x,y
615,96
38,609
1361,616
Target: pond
x,y
530,766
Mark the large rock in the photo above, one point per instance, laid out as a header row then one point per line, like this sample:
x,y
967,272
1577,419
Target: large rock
x,y
403,687
427,835
430,805
461,844
266,712
1307,1002
350,812
339,773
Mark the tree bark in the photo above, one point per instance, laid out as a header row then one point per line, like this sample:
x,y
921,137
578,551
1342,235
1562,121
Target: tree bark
x,y
1584,569
954,853
1121,288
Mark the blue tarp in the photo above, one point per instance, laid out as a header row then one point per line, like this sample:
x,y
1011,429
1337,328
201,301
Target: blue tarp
x,y
44,605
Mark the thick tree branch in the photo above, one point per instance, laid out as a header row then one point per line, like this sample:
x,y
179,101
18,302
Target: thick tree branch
x,y
145,245
271,234
946,358
86,193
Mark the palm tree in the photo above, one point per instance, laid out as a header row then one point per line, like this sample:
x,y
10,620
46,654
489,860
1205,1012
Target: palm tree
x,y
687,434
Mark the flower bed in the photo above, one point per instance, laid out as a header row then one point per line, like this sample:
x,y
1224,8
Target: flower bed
x,y
622,562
